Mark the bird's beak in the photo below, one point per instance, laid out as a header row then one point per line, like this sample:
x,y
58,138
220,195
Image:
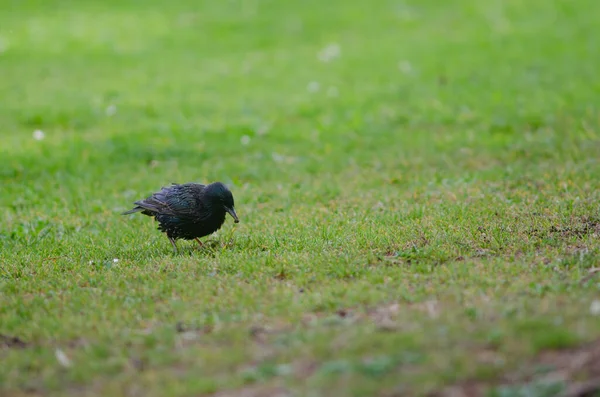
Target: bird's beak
x,y
233,214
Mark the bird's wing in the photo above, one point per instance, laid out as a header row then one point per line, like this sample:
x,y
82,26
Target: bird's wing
x,y
157,202
184,200
168,200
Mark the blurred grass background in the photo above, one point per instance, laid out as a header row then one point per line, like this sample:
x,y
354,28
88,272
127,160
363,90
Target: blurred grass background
x,y
417,183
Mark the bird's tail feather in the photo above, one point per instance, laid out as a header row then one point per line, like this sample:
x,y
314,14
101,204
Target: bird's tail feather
x,y
131,211
148,206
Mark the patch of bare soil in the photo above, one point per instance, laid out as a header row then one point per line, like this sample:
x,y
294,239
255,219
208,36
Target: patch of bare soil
x,y
569,373
254,391
579,227
18,393
12,342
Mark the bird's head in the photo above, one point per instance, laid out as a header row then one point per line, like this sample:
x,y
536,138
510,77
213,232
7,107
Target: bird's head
x,y
220,195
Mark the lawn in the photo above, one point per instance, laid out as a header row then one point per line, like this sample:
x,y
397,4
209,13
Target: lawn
x,y
417,184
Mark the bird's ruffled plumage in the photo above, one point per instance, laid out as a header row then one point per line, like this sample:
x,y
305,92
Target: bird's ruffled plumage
x,y
187,211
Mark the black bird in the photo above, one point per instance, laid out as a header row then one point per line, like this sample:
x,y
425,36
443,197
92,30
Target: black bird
x,y
188,211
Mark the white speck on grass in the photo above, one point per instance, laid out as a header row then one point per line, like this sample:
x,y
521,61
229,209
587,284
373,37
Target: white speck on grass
x,y
263,129
405,67
116,260
190,336
330,52
582,254
278,158
332,92
38,135
284,369
378,206
62,358
432,308
313,86
245,140
595,308
111,110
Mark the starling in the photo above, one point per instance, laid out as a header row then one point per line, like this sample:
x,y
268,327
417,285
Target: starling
x,y
188,211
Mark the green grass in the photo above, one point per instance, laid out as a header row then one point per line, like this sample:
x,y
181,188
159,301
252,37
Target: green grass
x,y
421,202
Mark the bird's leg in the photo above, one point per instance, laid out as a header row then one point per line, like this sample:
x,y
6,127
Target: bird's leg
x,y
199,242
173,244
